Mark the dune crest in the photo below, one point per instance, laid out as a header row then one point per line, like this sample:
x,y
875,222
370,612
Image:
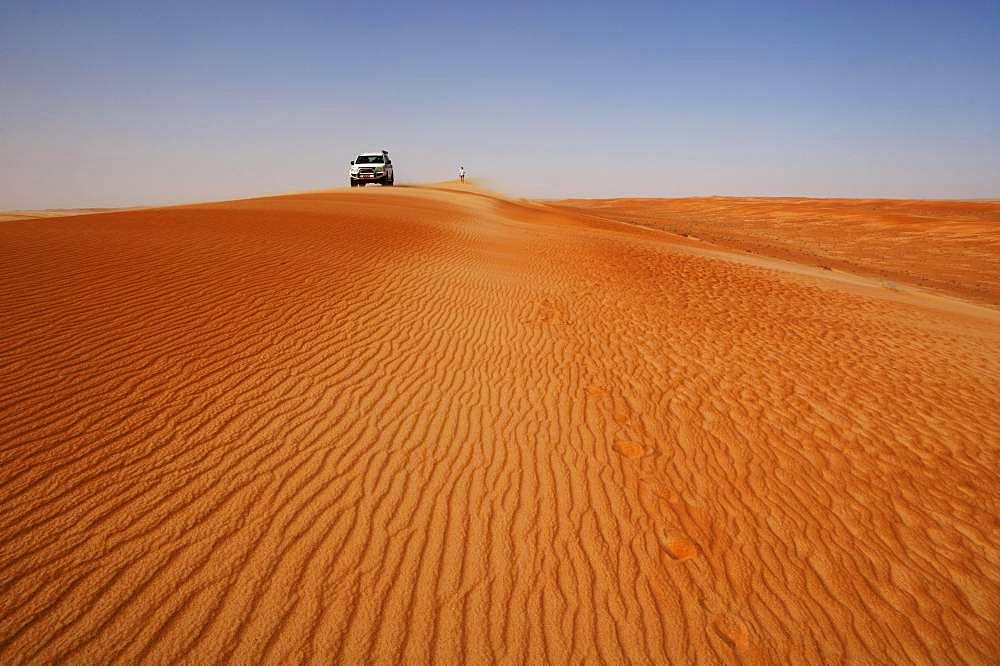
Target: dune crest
x,y
405,425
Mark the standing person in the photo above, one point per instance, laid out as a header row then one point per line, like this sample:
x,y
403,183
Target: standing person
x,y
461,173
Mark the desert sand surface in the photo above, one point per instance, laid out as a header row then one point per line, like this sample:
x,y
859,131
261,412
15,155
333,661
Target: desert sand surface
x,y
950,246
428,424
8,215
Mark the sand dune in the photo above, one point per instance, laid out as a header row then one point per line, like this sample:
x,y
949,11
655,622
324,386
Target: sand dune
x,y
417,424
949,246
8,215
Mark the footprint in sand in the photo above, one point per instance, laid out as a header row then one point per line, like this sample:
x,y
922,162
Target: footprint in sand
x,y
629,449
736,634
678,547
620,416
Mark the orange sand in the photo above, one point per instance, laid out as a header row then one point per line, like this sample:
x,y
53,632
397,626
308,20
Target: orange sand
x,y
950,246
8,215
415,424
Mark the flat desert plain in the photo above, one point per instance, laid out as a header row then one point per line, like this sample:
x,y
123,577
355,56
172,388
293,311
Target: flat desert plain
x,y
951,246
7,215
433,424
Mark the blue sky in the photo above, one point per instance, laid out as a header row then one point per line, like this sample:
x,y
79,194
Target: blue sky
x,y
116,103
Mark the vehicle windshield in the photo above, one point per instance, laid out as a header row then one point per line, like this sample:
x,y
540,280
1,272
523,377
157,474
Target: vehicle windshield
x,y
369,159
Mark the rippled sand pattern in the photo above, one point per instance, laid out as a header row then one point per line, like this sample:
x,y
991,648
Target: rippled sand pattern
x,y
388,426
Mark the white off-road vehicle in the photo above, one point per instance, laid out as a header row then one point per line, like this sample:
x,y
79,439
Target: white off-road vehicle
x,y
372,168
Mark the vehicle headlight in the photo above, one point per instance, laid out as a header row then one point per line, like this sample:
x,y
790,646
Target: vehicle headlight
x,y
354,169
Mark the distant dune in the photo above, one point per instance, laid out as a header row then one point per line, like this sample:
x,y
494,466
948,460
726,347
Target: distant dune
x,y
8,215
951,246
431,424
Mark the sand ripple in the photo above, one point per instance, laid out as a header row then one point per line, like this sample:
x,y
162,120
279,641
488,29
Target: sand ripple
x,y
415,425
